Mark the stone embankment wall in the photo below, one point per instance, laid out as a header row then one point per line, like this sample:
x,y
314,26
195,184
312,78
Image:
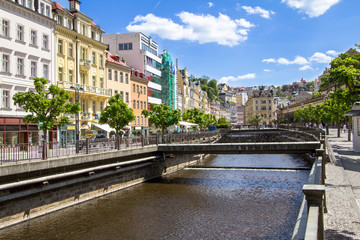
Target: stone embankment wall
x,y
35,198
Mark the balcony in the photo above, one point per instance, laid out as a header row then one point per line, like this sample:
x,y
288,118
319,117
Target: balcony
x,y
86,88
85,64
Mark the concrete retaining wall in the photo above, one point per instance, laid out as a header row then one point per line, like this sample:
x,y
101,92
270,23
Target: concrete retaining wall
x,y
39,198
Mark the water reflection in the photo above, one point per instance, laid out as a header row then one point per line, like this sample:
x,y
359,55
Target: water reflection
x,y
191,204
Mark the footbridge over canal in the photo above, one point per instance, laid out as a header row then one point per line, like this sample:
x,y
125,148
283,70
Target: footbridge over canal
x,y
270,141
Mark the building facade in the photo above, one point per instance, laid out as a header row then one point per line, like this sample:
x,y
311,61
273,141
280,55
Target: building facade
x,y
138,93
261,103
139,52
26,52
80,66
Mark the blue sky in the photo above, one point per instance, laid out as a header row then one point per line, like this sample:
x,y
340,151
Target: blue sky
x,y
239,42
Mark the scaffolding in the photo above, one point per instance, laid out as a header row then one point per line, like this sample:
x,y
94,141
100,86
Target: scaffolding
x,y
167,80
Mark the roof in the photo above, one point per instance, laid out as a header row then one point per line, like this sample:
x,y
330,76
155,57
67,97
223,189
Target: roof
x,y
113,59
353,113
55,6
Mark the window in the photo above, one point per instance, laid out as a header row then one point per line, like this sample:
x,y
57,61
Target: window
x,y
142,120
20,33
125,46
20,66
263,108
83,78
93,81
47,10
93,58
110,74
133,87
121,77
101,60
269,101
46,71
116,91
141,105
101,106
127,97
42,8
5,63
33,69
94,106
144,90
101,83
33,38
5,28
83,105
60,20
60,75
138,120
134,104
122,95
69,24
70,76
29,4
60,46
137,105
137,88
115,75
22,2
83,53
256,101
70,50
84,30
92,35
6,99
127,78
45,44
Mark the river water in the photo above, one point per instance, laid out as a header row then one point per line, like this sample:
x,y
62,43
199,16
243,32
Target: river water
x,y
217,200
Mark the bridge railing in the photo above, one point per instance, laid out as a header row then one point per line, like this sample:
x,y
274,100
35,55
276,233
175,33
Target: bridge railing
x,y
43,150
316,132
310,222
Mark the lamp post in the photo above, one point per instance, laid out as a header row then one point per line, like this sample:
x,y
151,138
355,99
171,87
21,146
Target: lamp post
x,y
77,89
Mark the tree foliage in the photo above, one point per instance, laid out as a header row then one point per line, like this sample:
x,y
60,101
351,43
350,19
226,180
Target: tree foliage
x,y
207,85
117,114
162,116
255,120
199,117
46,105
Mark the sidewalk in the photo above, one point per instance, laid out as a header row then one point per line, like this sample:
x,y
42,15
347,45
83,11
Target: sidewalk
x,y
342,190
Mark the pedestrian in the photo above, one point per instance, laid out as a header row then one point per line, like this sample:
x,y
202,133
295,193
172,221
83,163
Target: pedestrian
x,y
344,128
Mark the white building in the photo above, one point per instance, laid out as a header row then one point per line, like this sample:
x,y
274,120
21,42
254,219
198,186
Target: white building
x,y
142,53
26,52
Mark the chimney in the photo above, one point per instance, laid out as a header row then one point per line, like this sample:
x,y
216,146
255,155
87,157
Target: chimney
x,y
123,60
74,5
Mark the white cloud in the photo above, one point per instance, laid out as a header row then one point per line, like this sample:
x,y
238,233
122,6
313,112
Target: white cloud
x,y
210,4
200,28
332,53
268,70
242,77
313,8
283,61
269,60
306,67
320,58
258,11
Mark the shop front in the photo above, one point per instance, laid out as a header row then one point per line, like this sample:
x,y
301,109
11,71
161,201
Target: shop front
x,y
13,131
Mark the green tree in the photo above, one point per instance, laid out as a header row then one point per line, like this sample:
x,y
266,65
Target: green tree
x,y
209,120
117,114
162,116
255,120
46,105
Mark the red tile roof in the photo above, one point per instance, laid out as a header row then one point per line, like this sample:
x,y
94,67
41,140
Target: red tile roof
x,y
55,6
113,59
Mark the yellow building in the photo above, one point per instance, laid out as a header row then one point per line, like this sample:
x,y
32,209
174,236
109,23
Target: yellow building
x,y
261,103
80,65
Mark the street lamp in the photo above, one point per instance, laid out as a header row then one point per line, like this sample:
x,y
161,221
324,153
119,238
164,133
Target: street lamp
x,y
77,89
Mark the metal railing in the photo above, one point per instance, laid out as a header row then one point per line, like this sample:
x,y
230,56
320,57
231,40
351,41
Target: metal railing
x,y
10,154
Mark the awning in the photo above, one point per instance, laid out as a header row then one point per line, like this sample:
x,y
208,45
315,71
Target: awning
x,y
353,113
104,127
187,124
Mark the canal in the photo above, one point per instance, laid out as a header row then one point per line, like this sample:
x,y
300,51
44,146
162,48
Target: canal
x,y
223,197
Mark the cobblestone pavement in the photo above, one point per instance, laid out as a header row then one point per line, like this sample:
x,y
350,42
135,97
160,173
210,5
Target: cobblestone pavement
x,y
342,190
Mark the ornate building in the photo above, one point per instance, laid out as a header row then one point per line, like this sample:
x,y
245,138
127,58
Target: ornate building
x,y
80,65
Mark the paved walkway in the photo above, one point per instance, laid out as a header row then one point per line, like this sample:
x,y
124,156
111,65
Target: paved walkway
x,y
342,190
